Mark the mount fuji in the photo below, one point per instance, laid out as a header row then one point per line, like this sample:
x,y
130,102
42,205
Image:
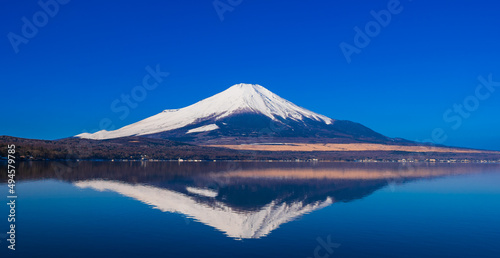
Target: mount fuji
x,y
245,114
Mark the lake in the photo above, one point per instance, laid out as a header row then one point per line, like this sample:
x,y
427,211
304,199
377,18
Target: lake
x,y
253,209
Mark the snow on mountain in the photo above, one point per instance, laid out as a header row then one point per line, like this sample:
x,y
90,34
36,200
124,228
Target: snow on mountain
x,y
240,98
234,223
204,128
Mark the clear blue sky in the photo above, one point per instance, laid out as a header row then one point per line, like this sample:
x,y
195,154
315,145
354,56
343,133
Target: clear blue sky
x,y
427,58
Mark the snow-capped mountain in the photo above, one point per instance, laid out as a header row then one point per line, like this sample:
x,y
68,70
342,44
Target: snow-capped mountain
x,y
242,114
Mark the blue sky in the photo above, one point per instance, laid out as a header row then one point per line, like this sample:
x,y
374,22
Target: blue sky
x,y
85,54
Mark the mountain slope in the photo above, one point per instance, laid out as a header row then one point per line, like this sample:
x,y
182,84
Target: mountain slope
x,y
244,113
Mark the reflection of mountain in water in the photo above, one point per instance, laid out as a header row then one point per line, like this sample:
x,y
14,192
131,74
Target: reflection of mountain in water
x,y
244,208
234,223
243,200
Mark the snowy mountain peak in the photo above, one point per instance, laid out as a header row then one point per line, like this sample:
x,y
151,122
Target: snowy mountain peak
x,y
257,99
238,99
248,90
246,86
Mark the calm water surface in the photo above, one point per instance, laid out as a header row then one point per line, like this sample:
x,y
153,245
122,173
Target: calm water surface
x,y
230,209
